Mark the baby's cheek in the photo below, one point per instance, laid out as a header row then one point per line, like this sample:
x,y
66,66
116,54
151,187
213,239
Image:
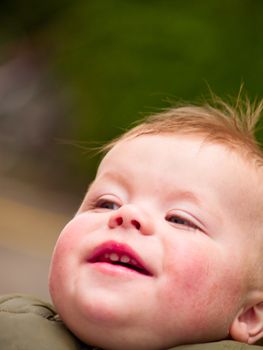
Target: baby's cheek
x,y
190,269
70,237
189,278
63,250
201,285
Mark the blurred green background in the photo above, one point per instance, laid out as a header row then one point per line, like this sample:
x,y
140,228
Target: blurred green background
x,y
97,66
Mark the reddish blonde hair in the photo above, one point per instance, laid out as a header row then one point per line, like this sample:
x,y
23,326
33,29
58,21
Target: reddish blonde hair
x,y
219,122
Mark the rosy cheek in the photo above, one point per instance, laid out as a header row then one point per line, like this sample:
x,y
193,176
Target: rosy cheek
x,y
71,236
63,249
61,260
69,247
193,267
188,274
196,281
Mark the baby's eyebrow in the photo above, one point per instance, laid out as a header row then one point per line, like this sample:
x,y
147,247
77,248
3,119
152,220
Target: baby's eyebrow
x,y
115,177
186,195
112,177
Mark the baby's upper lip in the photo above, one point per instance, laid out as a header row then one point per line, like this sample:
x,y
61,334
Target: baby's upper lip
x,y
119,253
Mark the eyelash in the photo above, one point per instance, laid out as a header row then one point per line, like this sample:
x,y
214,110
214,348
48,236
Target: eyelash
x,y
179,220
102,204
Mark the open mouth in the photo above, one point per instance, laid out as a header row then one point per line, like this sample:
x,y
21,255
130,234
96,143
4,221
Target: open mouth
x,y
119,254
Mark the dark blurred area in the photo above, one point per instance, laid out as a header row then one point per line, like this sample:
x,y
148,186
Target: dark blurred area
x,y
74,74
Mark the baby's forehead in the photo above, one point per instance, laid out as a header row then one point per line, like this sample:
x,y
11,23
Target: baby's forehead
x,y
164,148
199,142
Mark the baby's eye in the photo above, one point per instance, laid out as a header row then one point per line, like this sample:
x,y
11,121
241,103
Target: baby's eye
x,y
175,219
107,204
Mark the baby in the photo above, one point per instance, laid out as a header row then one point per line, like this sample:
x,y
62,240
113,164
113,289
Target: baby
x,y
166,248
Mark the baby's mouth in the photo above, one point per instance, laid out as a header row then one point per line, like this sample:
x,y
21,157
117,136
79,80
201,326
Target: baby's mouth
x,y
119,254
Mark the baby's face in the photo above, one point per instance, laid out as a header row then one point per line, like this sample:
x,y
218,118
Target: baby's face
x,y
156,255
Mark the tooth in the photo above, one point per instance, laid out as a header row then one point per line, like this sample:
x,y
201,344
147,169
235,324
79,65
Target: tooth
x,y
114,257
125,259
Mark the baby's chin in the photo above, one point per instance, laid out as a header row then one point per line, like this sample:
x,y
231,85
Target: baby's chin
x,y
102,327
106,329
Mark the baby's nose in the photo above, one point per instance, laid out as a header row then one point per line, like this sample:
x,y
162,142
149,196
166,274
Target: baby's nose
x,y
128,216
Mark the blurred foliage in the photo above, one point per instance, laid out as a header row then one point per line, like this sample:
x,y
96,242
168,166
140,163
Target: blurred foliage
x,y
121,59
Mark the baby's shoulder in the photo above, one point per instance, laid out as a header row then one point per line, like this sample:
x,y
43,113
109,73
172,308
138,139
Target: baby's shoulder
x,y
28,323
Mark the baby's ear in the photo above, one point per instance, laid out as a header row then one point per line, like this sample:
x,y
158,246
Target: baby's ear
x,y
247,327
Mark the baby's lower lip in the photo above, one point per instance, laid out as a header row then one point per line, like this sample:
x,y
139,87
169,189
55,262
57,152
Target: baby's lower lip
x,y
115,270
